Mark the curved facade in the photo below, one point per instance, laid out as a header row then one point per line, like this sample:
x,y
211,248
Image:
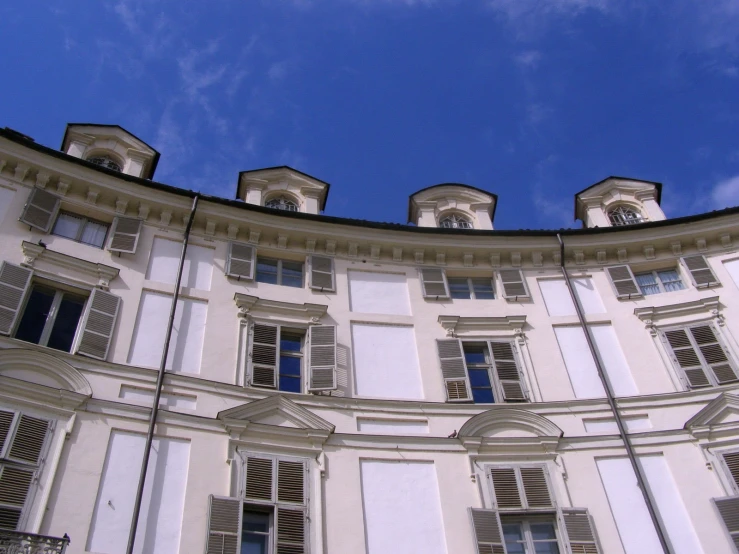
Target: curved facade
x,y
342,386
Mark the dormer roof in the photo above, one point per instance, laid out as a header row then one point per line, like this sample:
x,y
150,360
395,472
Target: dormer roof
x,y
283,173
608,184
444,190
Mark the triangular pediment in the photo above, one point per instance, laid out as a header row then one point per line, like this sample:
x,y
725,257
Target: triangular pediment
x,y
722,410
277,411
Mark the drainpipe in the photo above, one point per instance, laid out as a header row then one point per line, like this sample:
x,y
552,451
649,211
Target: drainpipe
x,y
641,481
160,382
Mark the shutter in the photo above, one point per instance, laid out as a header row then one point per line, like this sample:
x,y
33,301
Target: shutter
x,y
98,325
6,420
731,460
14,284
514,285
321,273
28,440
224,526
322,357
291,529
290,481
505,488
488,531
507,371
41,209
685,357
124,235
434,283
535,487
700,271
517,488
259,473
15,484
713,353
264,355
728,509
580,531
240,263
453,370
623,281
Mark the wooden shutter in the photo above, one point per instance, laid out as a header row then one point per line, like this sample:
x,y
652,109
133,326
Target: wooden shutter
x,y
40,209
15,484
98,324
291,481
728,509
517,488
322,357
514,285
507,371
14,284
6,420
321,273
685,357
224,525
259,478
263,359
291,530
28,440
453,370
240,263
623,281
700,272
124,235
488,531
580,531
731,460
433,281
714,353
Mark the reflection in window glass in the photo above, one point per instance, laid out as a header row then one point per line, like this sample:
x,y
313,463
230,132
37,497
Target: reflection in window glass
x,y
50,318
279,272
80,229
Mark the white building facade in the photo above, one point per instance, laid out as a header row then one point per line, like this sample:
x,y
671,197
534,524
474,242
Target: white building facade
x,y
340,386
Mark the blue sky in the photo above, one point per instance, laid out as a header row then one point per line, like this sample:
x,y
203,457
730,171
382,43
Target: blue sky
x,y
532,100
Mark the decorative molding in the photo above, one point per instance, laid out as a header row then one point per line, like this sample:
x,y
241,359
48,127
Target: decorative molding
x,y
210,227
495,260
165,218
649,252
3,163
397,254
62,187
726,241
557,258
701,245
232,231
310,245
42,179
468,259
375,251
579,257
353,249
254,236
537,258
282,241
185,219
92,196
677,248
516,259
307,312
144,210
103,274
455,325
505,419
418,256
331,247
257,410
601,257
441,258
49,369
121,205
651,315
21,171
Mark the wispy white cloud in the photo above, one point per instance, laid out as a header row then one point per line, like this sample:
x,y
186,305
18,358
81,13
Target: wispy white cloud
x,y
278,71
514,10
725,193
528,59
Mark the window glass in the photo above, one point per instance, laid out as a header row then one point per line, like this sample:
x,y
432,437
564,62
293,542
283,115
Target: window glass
x,y
255,533
279,272
656,282
514,538
455,221
80,229
50,318
670,280
483,289
290,362
65,324
647,283
94,233
267,271
34,317
478,370
458,287
623,215
292,274
67,226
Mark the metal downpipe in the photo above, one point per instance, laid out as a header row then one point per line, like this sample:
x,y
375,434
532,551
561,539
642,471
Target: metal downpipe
x,y
160,382
641,481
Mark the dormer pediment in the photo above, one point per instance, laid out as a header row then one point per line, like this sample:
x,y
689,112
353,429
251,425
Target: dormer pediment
x,y
720,413
262,186
429,206
277,411
593,204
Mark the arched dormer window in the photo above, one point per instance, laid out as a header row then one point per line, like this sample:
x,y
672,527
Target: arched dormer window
x,y
624,215
455,221
282,203
105,161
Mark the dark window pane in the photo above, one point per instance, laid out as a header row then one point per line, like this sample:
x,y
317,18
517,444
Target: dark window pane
x,y
458,288
292,274
67,226
65,323
267,271
253,544
289,365
474,354
483,289
546,548
479,377
290,343
256,521
34,316
289,384
542,531
94,234
483,396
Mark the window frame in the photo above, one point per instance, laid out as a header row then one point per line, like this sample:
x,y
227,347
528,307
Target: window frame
x,y
525,520
85,221
470,287
287,201
658,280
456,217
302,335
252,508
623,222
295,329
279,271
490,366
94,156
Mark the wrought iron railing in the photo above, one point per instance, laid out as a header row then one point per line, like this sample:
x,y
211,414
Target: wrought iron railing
x,y
15,542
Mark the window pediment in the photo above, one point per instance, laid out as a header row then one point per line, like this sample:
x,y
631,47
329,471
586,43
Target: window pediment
x,y
303,313
458,326
651,315
721,411
42,369
48,263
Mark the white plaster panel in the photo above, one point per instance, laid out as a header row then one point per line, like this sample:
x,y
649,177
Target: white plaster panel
x,y
186,345
732,266
379,293
580,366
628,507
386,362
160,519
670,505
402,508
6,197
559,302
589,296
392,427
165,259
145,397
614,362
608,426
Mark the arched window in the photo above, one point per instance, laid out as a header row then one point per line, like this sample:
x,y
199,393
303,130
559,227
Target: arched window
x,y
282,203
623,215
105,161
455,221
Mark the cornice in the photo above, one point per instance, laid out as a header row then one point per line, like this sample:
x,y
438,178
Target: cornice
x,y
652,315
95,274
455,325
46,366
250,305
16,391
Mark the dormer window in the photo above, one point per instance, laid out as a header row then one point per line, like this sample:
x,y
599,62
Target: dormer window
x,y
455,221
282,203
106,162
623,215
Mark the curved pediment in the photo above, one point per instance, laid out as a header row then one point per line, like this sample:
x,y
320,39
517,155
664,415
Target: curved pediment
x,y
509,422
42,369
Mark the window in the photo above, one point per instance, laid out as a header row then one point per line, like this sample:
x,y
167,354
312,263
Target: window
x,y
700,355
469,287
656,282
482,371
455,221
728,507
80,229
256,530
279,272
50,317
105,161
282,203
623,215
533,535
22,441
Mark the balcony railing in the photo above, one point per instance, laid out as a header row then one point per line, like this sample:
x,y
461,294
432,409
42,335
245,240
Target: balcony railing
x,y
14,542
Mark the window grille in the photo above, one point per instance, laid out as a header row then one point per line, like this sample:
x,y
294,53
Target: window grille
x,y
282,203
622,215
455,221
